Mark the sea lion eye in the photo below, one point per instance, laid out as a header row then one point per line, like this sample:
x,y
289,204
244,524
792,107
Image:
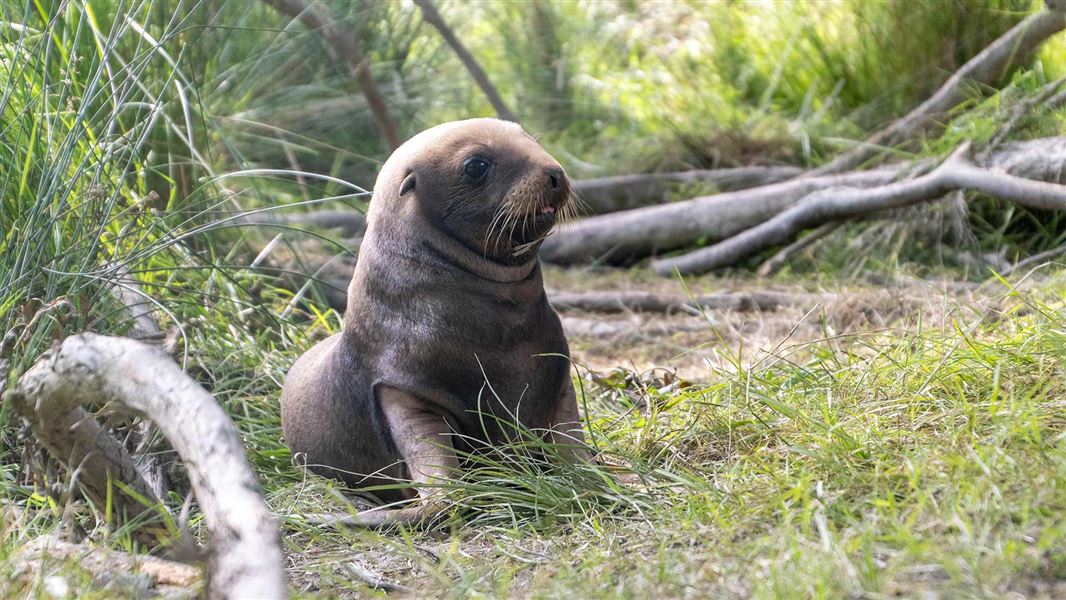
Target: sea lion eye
x,y
476,169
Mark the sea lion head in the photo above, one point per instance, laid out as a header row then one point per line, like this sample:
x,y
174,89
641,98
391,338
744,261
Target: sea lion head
x,y
484,183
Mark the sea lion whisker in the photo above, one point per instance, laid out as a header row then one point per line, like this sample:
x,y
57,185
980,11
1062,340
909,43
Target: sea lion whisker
x,y
577,204
501,231
495,219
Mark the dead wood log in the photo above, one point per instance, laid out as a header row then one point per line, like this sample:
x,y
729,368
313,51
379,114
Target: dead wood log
x,y
621,237
956,173
434,18
136,378
634,234
624,192
614,302
346,49
992,63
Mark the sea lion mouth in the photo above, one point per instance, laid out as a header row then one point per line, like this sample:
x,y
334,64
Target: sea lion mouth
x,y
525,218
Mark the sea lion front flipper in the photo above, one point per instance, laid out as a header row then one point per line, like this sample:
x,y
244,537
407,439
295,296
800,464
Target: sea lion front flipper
x,y
565,427
422,437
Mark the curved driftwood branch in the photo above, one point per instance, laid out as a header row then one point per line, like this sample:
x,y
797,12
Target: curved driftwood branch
x,y
138,379
956,173
992,63
434,18
345,48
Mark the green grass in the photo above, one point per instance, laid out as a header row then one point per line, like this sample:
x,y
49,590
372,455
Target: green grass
x,y
918,459
926,457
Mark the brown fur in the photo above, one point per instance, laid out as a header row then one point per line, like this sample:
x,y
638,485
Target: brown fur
x,y
448,334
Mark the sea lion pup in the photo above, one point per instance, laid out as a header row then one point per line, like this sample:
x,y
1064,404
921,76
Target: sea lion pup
x,y
448,334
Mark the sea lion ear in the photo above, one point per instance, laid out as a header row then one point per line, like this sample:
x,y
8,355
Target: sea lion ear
x,y
408,184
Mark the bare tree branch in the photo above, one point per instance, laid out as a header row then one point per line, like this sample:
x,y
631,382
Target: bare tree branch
x,y
1035,259
992,63
624,192
434,18
634,234
139,379
597,196
624,236
345,48
956,173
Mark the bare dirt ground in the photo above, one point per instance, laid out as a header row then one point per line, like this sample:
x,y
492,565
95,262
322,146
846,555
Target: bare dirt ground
x,y
695,344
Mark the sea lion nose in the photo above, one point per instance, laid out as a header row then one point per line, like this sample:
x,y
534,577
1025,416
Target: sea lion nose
x,y
555,177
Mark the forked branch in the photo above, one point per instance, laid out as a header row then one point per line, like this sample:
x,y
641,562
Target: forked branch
x,y
956,173
992,63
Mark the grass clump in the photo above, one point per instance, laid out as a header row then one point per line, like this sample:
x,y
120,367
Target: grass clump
x,y
914,460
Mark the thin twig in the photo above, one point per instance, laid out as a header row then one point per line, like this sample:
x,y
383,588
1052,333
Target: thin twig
x,y
374,580
786,254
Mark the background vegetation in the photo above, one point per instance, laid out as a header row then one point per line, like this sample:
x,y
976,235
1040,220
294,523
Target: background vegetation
x,y
918,456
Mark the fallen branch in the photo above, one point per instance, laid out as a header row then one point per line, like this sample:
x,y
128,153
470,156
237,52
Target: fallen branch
x,y
1035,259
374,580
345,48
634,234
956,173
621,237
992,63
613,302
598,196
140,380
